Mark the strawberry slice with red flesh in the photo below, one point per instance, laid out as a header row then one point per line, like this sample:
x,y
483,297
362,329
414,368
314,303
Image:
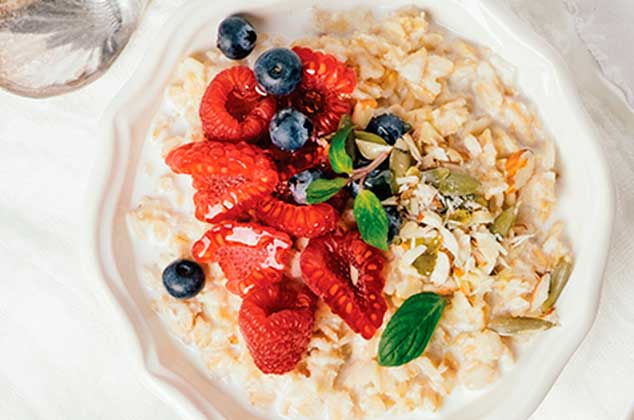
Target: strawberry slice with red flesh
x,y
307,221
232,110
357,298
249,254
324,94
229,178
276,323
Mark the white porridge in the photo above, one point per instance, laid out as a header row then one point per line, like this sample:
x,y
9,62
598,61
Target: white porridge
x,y
494,255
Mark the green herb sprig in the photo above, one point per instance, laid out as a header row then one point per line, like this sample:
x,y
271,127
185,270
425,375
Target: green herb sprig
x,y
371,217
410,329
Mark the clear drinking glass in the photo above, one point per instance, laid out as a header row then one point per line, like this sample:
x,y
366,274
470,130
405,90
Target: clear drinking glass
x,y
49,47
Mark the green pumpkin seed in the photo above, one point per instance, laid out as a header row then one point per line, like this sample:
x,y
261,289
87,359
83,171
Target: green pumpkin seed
x,y
400,159
450,183
434,176
558,279
457,184
425,263
369,137
504,222
508,325
462,216
432,244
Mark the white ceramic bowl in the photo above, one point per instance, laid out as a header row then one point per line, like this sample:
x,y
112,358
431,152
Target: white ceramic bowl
x,y
586,204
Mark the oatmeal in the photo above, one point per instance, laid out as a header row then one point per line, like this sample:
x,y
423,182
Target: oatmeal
x,y
441,210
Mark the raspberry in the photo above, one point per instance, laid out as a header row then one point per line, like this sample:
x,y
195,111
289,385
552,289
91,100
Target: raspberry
x,y
276,322
324,94
327,264
230,178
297,220
248,254
232,110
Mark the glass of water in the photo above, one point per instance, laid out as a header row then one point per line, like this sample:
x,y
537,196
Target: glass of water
x,y
50,47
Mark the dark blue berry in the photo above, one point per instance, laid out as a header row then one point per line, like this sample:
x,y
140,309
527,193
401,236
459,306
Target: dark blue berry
x,y
394,222
183,279
278,71
379,181
388,126
298,184
353,187
236,37
290,129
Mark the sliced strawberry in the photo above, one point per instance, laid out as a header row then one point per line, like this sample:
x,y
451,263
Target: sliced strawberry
x,y
230,178
297,220
324,93
327,264
276,323
249,254
232,109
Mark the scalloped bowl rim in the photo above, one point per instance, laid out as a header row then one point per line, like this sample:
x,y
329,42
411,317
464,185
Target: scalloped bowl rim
x,y
149,80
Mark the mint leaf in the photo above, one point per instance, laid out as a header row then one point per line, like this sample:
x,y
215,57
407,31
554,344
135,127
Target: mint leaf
x,y
371,219
410,329
340,160
321,189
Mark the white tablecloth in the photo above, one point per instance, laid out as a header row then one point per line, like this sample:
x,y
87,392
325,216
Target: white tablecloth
x,y
61,355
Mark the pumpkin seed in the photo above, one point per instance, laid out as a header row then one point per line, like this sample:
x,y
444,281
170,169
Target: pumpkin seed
x,y
432,244
400,159
371,150
558,279
504,222
426,262
450,183
508,325
457,184
370,137
462,216
434,176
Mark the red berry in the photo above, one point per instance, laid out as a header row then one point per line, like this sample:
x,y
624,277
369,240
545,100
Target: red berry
x,y
249,255
326,267
324,94
297,220
232,109
277,322
230,178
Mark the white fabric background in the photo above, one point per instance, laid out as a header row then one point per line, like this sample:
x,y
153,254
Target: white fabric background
x,y
61,356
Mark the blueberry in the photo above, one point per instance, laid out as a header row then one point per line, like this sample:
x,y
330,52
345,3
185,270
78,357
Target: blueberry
x,y
236,37
388,126
395,221
353,187
278,71
379,181
183,279
299,183
290,129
